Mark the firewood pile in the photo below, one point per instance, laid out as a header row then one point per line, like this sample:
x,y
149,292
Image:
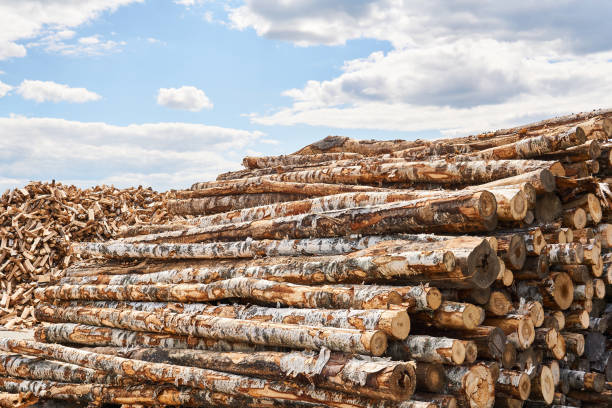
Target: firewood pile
x,y
469,272
39,222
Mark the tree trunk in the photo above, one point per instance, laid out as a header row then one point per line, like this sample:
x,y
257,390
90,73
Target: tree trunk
x,y
579,380
209,380
296,160
574,343
565,254
542,180
428,349
518,328
452,315
288,294
452,214
371,377
548,208
221,204
222,328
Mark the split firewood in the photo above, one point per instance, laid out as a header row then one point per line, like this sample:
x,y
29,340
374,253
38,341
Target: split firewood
x,y
222,328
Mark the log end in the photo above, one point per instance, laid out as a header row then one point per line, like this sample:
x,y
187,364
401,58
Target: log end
x,y
458,352
487,205
378,343
399,324
526,332
607,126
471,351
563,293
403,381
599,288
518,206
546,383
547,180
594,208
483,265
536,312
524,386
448,259
434,298
508,357
517,252
479,387
473,316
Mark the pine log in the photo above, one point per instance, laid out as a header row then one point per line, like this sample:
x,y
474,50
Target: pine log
x,y
221,204
543,385
590,150
514,383
574,342
518,328
372,377
579,380
473,386
205,379
548,207
222,328
476,212
452,315
329,296
428,349
554,292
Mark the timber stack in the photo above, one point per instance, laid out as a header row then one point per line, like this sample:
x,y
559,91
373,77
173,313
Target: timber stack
x,y
469,272
39,222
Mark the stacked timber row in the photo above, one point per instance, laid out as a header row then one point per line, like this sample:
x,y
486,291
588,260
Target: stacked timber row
x,y
469,272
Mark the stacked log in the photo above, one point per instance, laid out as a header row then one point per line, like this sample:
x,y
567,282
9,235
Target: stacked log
x,y
470,272
39,221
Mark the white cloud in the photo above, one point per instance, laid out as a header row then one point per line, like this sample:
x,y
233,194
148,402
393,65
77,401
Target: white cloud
x,y
4,89
186,97
42,91
30,19
161,155
456,66
89,40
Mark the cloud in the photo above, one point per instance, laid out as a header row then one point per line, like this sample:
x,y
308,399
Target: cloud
x,y
455,66
45,19
186,97
4,89
90,46
162,155
42,91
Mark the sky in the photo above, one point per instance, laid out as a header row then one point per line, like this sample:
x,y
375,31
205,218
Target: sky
x,y
167,93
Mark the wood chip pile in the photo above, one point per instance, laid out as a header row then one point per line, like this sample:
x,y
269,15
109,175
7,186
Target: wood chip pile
x,y
470,272
37,225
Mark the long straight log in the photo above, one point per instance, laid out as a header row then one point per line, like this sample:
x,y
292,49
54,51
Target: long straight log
x,y
428,349
542,180
396,323
231,384
221,204
263,162
468,214
372,377
70,333
234,330
329,296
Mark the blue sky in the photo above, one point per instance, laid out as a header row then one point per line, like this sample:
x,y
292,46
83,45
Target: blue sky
x,y
166,93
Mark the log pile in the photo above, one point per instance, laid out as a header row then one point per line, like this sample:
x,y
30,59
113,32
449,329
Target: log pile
x,y
470,272
39,222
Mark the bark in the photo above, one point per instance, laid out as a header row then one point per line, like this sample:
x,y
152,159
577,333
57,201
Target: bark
x,y
372,377
535,146
574,342
584,292
138,396
222,328
313,205
452,315
543,385
221,204
473,386
565,254
472,213
342,144
579,380
296,160
70,333
441,400
578,273
518,328
602,398
479,297
514,383
328,297
428,349
396,323
542,180
17,400
261,185
210,380
430,377
549,339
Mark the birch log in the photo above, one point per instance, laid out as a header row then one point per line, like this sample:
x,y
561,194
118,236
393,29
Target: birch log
x,y
296,160
372,377
579,380
474,386
17,400
205,379
475,213
329,296
452,315
518,328
221,204
233,330
428,349
514,383
543,180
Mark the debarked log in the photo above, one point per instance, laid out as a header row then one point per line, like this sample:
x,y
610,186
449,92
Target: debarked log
x,y
222,328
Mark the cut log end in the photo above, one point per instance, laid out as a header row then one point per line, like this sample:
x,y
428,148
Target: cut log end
x,y
399,324
508,358
524,386
377,343
471,351
448,259
458,352
607,126
563,290
479,387
472,316
487,205
546,385
526,332
434,298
